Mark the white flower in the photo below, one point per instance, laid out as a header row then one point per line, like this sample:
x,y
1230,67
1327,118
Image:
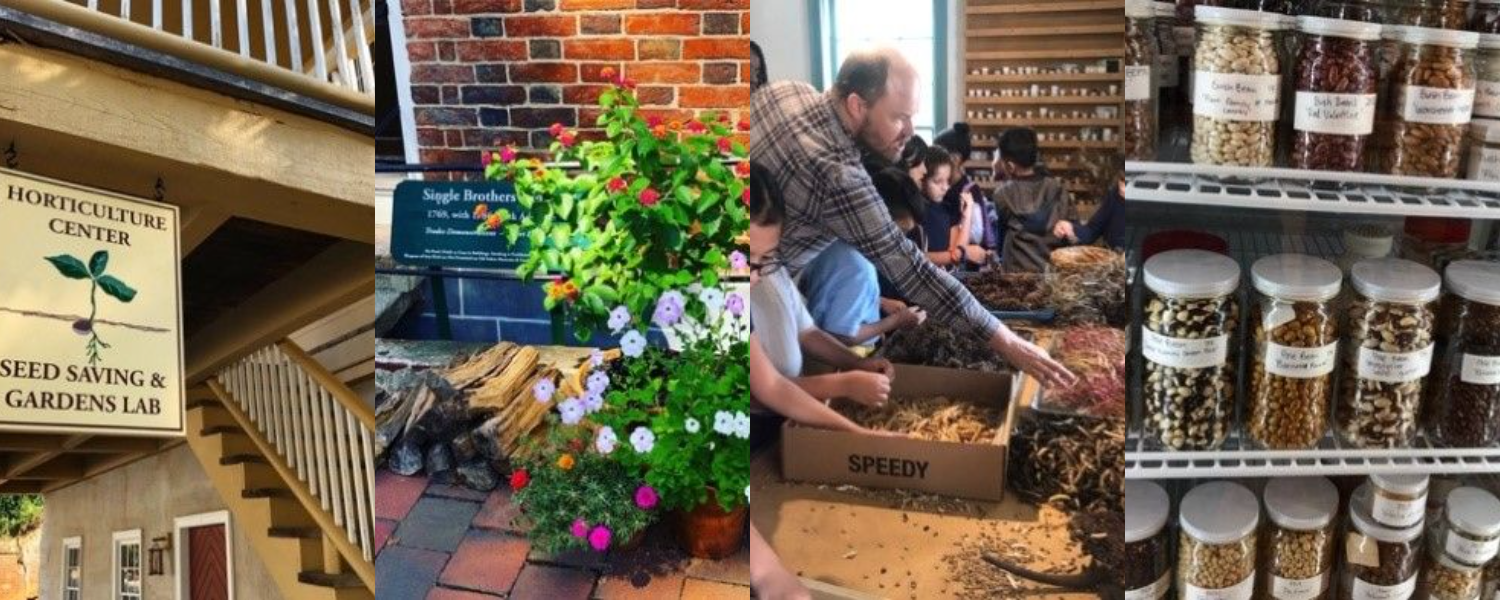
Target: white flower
x,y
572,411
742,425
723,423
642,440
633,344
713,299
596,358
619,318
695,287
543,390
593,402
691,425
598,382
605,441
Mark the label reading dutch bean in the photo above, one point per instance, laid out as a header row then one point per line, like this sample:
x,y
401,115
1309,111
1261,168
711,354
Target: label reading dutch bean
x,y
1437,106
1470,551
1152,592
1298,589
1399,513
1484,164
1300,363
1481,370
1138,83
1487,99
1337,114
1235,97
1166,66
1394,367
1182,353
1370,591
1238,591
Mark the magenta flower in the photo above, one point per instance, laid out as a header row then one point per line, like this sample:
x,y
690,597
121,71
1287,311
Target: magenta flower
x,y
599,538
737,261
507,154
580,528
645,497
649,197
726,145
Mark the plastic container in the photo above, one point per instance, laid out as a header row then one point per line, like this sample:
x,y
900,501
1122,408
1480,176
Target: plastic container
x,y
1297,547
1463,410
1469,532
1398,501
1294,349
1486,17
1446,579
1431,102
1148,559
1378,561
1216,549
1416,13
1484,151
1388,345
1236,87
1141,69
1365,241
1335,100
1191,314
1487,78
1350,10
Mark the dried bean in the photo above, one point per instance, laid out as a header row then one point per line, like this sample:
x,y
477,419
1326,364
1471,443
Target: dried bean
x,y
1146,563
1190,408
1380,403
1214,566
1290,412
1445,580
1236,89
1464,405
1141,50
1335,80
1432,95
1300,560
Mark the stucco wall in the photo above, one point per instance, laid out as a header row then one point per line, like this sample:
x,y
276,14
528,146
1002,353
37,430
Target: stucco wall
x,y
146,495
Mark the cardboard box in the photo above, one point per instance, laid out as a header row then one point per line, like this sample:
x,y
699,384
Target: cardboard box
x,y
955,469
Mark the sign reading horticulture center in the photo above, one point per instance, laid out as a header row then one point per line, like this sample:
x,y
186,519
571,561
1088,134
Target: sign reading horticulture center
x,y
90,311
438,224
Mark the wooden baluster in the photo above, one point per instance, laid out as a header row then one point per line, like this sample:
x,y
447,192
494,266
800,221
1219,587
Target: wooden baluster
x,y
315,24
243,12
367,499
268,29
331,447
362,45
294,43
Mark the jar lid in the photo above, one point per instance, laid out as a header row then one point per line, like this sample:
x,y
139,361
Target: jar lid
x,y
1140,9
1218,15
1394,32
1452,38
1395,280
1453,565
1296,277
1361,506
1406,485
1192,274
1475,511
1301,503
1368,240
1357,30
1169,10
1219,512
1476,280
1489,41
1485,130
1146,508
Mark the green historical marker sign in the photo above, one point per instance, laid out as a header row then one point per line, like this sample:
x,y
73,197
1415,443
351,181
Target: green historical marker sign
x,y
437,223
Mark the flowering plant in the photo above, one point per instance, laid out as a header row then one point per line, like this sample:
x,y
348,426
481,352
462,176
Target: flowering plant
x,y
578,499
650,208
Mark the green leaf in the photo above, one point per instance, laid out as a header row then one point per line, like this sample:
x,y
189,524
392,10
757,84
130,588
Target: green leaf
x,y
70,267
98,262
116,288
605,293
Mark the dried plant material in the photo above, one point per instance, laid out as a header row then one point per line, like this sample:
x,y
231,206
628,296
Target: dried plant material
x,y
1092,294
936,419
481,366
1097,356
998,290
1073,463
937,345
1078,257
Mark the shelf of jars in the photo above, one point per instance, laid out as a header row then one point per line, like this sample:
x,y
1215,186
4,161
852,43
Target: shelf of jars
x,y
1238,459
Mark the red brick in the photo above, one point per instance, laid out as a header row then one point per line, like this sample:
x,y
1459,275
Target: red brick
x,y
383,530
592,72
451,594
453,138
597,4
534,117
582,94
430,73
432,28
446,52
551,72
667,114
445,156
541,25
747,71
394,494
442,7
745,23
728,96
553,583
428,137
486,561
721,73
605,49
737,48
677,72
660,49
410,8
655,96
421,51
600,23
668,24
491,50
474,7
589,117
656,4
714,4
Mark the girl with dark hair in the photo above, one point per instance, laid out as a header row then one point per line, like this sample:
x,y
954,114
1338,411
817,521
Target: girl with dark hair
x,y
972,210
758,75
940,224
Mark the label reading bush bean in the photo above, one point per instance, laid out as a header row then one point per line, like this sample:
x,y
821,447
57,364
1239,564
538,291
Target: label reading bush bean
x,y
1399,513
1182,353
1481,370
1484,165
1138,83
1394,367
1298,589
1470,551
1336,114
1235,97
1152,592
1370,591
1300,363
1238,591
1437,106
1487,99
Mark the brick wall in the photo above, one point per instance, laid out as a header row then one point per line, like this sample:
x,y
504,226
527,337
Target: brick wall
x,y
488,73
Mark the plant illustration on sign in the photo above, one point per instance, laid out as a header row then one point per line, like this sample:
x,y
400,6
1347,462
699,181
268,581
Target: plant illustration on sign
x,y
72,268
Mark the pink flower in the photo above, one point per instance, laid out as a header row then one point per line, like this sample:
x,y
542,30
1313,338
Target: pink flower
x,y
742,169
580,528
628,84
599,538
486,157
745,196
653,120
645,497
744,125
737,261
726,145
567,138
617,185
649,197
508,154
696,126
556,129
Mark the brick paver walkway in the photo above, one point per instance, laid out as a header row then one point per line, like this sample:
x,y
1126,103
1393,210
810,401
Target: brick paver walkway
x,y
437,542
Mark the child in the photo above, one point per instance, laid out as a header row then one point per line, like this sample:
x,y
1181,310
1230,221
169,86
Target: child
x,y
903,198
939,223
967,200
1108,222
1029,202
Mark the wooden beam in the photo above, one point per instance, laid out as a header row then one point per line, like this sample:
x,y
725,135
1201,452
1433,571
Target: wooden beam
x,y
199,222
22,464
116,445
30,442
22,487
65,467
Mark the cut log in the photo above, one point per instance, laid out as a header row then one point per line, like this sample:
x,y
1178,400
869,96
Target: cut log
x,y
494,394
482,366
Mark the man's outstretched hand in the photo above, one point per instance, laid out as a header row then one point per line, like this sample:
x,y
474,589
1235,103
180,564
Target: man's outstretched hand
x,y
1031,359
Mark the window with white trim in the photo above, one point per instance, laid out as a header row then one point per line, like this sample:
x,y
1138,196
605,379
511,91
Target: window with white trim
x,y
127,563
909,26
72,568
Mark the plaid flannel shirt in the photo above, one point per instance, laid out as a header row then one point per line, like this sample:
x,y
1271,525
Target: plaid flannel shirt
x,y
816,167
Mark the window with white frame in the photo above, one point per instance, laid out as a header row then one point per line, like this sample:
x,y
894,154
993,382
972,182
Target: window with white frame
x,y
127,563
72,568
911,26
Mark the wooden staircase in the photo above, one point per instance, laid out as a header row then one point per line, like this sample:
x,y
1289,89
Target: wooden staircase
x,y
291,459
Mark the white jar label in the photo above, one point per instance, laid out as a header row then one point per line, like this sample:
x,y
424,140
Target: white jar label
x,y
1152,592
1238,591
1487,99
1182,353
1481,370
1470,552
1298,589
1370,591
1236,97
1138,83
1399,513
1484,164
1337,114
1300,363
1166,65
1394,367
1437,106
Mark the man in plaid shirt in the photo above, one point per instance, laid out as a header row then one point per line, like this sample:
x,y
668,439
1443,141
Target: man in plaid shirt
x,y
811,142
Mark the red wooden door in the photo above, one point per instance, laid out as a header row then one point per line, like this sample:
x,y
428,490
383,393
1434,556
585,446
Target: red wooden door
x,y
208,571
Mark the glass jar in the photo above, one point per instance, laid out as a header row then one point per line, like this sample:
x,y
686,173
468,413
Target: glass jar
x,y
1297,549
1484,151
1464,407
1491,581
1415,13
1486,17
1446,579
1335,83
1148,562
1348,10
1387,352
1388,53
1191,313
1378,561
1487,78
1236,87
1140,66
1454,14
1216,550
1294,345
1469,532
1431,101
1398,501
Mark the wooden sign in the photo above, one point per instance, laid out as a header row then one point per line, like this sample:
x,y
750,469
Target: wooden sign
x,y
90,311
438,223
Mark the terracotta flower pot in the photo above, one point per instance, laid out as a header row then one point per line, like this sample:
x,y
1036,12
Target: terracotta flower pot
x,y
707,531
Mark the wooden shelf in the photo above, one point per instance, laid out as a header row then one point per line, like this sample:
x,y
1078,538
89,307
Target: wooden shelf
x,y
1045,122
1077,189
1026,100
1058,53
1045,31
986,165
1045,7
1040,77
1062,144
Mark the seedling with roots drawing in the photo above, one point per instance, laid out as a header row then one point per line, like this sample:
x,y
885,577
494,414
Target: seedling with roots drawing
x,y
72,268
